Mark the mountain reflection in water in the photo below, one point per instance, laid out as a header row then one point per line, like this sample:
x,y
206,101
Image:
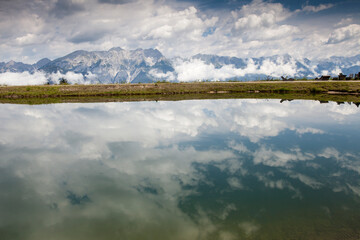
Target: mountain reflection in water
x,y
210,169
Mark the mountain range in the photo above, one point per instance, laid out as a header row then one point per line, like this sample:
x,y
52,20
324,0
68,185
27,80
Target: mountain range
x,y
118,65
13,66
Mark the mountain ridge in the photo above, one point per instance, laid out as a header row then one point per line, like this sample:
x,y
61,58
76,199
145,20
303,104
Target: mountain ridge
x,y
13,66
118,65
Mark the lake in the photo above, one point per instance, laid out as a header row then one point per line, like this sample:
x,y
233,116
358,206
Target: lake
x,y
203,169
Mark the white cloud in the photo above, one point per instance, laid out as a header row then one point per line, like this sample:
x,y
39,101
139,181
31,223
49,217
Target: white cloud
x,y
195,69
240,147
235,183
169,76
278,68
346,160
170,24
309,130
41,78
321,7
340,112
262,21
37,29
278,158
344,34
260,122
93,25
72,78
24,78
26,39
274,11
278,184
305,179
330,153
344,22
255,21
279,32
272,158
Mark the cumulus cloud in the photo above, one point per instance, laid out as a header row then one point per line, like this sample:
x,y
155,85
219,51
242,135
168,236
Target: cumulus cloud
x,y
340,112
262,21
168,76
41,78
38,29
259,124
275,12
196,69
168,24
255,21
25,78
73,78
344,34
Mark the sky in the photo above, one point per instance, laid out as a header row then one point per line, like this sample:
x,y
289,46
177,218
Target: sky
x,y
34,29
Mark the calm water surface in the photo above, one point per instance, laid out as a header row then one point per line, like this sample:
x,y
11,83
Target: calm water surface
x,y
222,169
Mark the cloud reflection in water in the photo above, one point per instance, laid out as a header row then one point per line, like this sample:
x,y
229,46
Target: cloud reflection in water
x,y
219,169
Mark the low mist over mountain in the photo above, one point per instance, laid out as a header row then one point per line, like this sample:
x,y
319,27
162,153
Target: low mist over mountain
x,y
149,65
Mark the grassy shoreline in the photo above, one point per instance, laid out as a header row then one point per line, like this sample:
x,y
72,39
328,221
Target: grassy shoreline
x,y
340,91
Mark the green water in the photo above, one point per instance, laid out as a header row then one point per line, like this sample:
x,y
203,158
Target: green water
x,y
210,169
